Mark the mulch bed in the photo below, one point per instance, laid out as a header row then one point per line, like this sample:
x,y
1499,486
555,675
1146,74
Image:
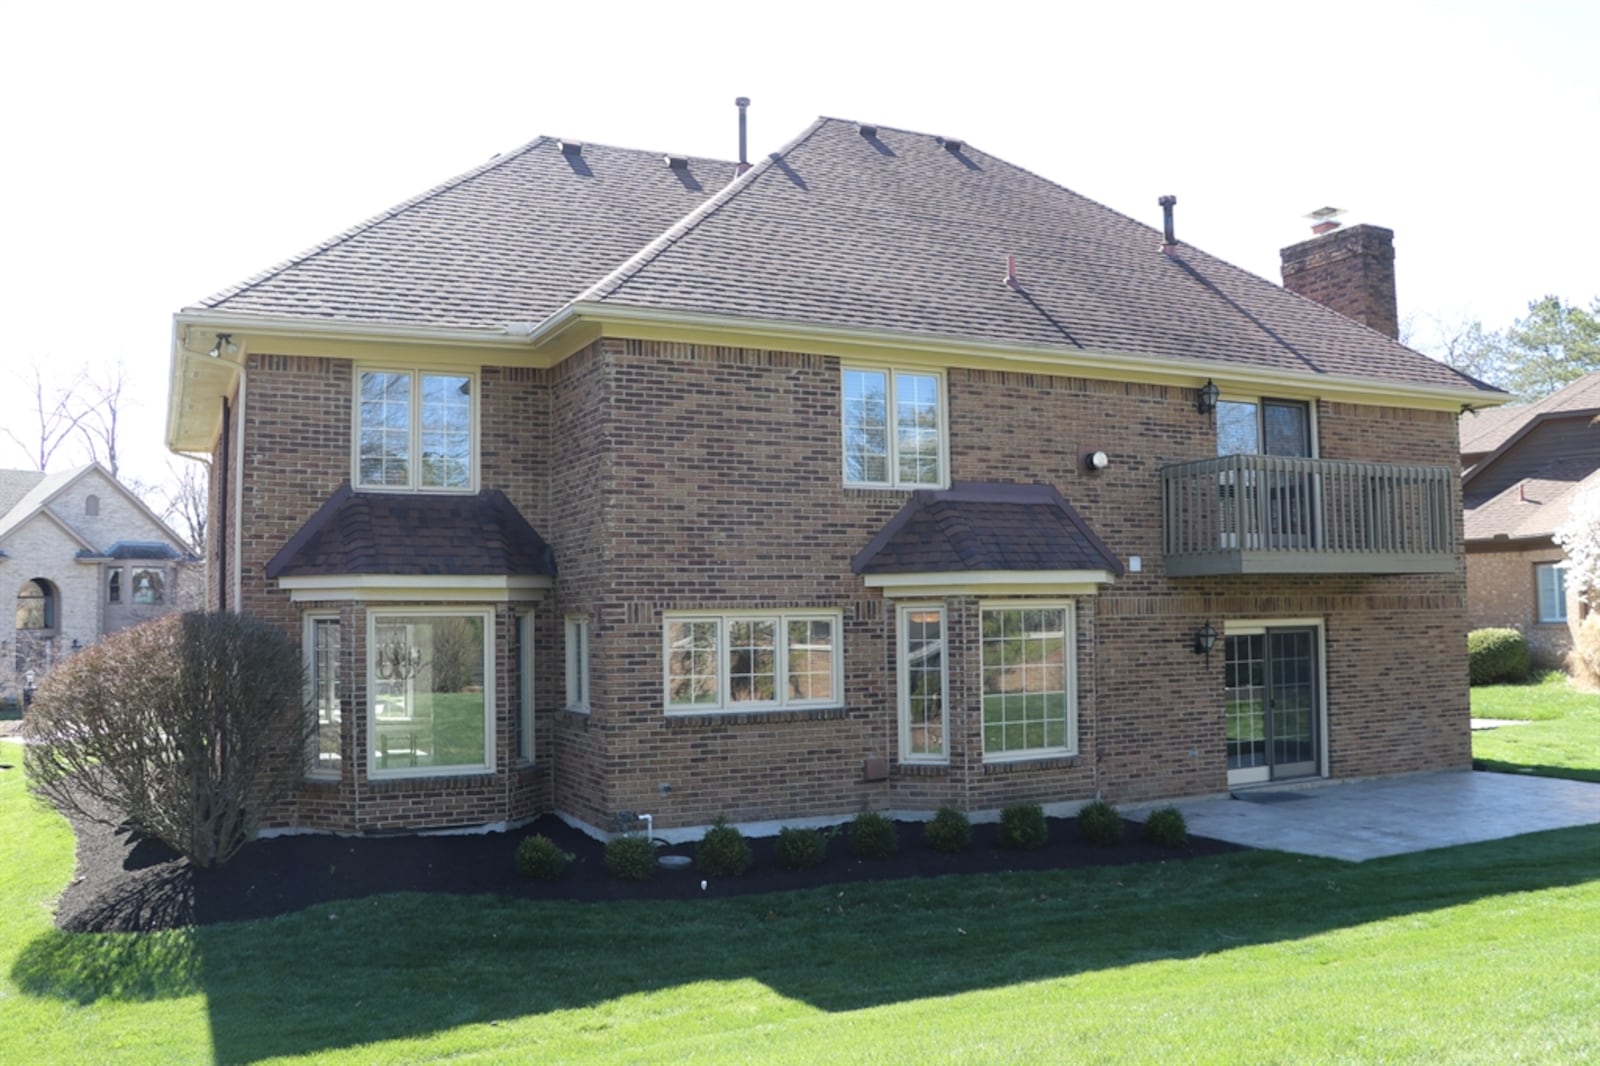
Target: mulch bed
x,y
128,883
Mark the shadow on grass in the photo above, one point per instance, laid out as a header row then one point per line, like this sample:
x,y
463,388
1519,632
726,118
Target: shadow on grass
x,y
402,966
1570,773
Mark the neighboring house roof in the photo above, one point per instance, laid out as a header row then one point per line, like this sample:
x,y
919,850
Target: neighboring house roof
x,y
138,549
14,485
393,533
1491,430
1533,508
984,526
46,487
510,241
885,230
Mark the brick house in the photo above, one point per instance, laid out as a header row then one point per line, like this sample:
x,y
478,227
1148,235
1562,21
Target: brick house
x,y
1522,466
81,557
883,475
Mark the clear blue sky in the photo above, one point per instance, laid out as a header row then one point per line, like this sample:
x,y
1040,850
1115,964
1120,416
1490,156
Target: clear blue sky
x,y
156,153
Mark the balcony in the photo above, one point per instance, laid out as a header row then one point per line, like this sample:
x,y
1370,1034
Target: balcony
x,y
1266,514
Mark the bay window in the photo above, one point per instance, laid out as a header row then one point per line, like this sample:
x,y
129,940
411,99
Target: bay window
x,y
1029,681
430,681
922,685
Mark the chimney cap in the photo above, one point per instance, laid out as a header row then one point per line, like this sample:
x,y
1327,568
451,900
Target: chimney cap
x,y
1323,214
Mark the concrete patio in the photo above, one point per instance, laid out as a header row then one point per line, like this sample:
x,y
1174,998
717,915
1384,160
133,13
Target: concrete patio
x,y
1368,819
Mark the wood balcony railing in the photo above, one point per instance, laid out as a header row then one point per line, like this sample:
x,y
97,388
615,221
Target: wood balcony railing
x,y
1266,514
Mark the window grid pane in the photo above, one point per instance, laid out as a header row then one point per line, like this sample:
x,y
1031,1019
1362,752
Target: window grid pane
x,y
1552,586
385,429
810,660
1025,703
752,661
1245,701
325,755
924,682
917,428
446,431
866,426
692,663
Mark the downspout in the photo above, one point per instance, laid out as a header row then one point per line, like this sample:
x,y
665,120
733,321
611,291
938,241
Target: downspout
x,y
223,468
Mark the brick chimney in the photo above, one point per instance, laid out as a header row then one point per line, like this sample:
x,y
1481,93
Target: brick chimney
x,y
1350,270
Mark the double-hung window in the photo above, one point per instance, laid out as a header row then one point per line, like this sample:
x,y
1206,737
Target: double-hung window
x,y
752,661
1551,579
324,750
414,430
894,428
1029,681
922,684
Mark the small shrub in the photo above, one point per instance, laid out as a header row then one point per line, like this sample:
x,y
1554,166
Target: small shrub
x,y
1022,826
1167,828
631,858
800,849
873,836
1496,655
1100,823
949,831
538,858
723,851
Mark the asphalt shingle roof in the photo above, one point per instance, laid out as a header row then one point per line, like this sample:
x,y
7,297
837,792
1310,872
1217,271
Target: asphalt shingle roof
x,y
511,241
899,231
1486,431
895,231
985,526
1533,507
394,533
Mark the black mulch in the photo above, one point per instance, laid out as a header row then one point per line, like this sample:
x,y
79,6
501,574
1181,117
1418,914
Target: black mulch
x,y
128,883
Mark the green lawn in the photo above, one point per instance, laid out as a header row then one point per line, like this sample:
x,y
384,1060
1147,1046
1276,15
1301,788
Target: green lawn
x,y
1476,954
1561,737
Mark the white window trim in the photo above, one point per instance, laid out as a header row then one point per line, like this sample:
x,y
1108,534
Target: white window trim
x,y
889,370
903,684
1070,622
783,616
525,686
308,638
414,443
370,712
1559,594
577,663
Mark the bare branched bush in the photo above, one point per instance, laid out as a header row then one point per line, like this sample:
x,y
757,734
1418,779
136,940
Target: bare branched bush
x,y
1583,661
188,728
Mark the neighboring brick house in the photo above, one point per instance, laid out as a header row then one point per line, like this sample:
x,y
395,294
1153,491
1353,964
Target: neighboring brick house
x,y
886,475
81,557
1522,467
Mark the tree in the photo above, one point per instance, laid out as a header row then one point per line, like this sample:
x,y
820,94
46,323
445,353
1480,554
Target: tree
x,y
1579,537
82,407
188,492
1471,349
189,728
101,400
1555,344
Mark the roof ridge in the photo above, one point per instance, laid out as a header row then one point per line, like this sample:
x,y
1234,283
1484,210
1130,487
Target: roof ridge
x,y
371,222
631,266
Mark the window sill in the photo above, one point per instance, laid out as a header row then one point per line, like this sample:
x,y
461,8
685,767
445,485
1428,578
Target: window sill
x,y
717,719
462,780
1031,764
922,769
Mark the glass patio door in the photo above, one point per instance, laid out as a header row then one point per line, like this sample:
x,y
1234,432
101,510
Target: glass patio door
x,y
1273,717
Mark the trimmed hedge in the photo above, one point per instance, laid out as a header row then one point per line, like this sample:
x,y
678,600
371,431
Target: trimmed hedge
x,y
1497,655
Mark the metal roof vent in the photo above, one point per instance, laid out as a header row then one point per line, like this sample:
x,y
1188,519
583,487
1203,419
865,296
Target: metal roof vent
x,y
867,131
676,162
951,144
570,147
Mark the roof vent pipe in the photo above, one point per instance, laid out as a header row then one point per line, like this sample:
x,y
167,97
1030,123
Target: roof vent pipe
x,y
742,103
1169,240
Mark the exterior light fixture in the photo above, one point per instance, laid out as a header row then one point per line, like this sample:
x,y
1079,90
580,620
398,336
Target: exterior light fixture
x,y
1205,638
1206,402
1096,461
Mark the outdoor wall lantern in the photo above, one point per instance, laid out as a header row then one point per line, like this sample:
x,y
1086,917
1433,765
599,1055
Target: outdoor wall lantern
x,y
1206,402
1095,461
1205,638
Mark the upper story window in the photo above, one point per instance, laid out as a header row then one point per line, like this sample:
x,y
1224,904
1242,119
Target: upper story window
x,y
414,430
894,428
36,605
91,505
1268,427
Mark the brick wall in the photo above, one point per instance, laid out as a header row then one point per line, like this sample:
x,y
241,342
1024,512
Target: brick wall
x,y
1502,591
672,477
